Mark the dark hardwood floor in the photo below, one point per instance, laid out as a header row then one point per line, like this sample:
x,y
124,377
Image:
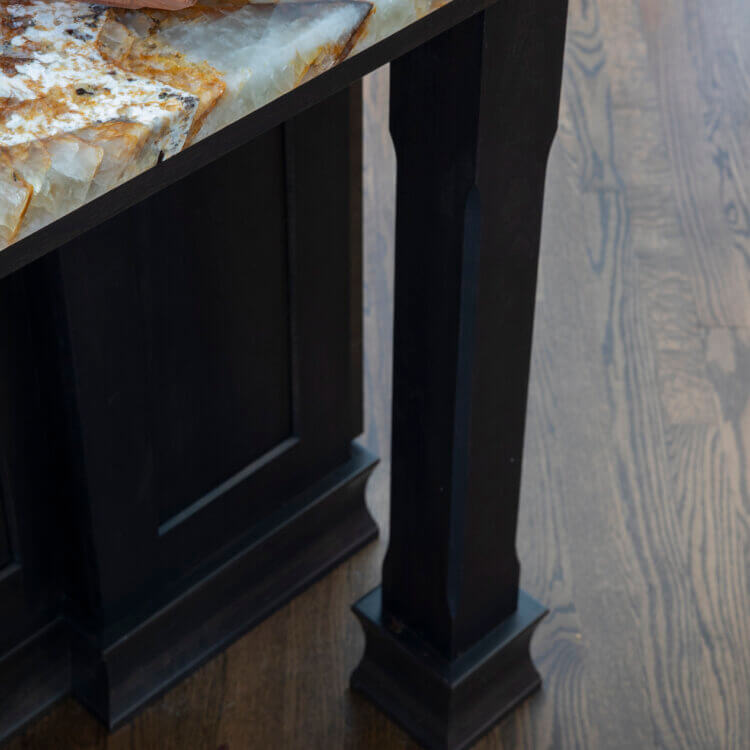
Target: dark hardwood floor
x,y
635,515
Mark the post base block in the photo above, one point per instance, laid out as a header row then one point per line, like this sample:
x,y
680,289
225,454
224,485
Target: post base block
x,y
446,705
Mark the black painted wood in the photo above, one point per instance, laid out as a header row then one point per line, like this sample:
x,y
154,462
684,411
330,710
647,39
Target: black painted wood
x,y
29,584
179,392
277,559
4,543
174,319
354,209
447,703
35,674
205,358
473,114
34,658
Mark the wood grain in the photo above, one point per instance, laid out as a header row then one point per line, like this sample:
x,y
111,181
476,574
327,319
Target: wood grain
x,y
635,514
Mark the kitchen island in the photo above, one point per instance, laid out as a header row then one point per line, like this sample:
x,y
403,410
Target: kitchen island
x,y
181,336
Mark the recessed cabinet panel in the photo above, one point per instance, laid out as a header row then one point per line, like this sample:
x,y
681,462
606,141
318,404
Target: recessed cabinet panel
x,y
4,545
197,374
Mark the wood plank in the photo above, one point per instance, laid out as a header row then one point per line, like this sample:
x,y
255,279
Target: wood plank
x,y
633,556
707,453
700,462
690,100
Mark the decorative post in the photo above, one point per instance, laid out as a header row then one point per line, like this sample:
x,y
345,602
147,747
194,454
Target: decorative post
x,y
473,115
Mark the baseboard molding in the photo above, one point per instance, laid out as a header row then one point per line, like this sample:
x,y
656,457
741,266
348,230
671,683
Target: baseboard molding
x,y
308,537
33,676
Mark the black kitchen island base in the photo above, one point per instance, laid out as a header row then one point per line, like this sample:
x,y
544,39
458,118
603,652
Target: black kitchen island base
x,y
180,387
446,705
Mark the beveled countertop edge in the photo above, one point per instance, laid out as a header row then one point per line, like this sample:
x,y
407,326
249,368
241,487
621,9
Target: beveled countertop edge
x,y
286,106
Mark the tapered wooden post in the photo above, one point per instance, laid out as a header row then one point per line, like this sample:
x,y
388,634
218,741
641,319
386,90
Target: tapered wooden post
x,y
473,115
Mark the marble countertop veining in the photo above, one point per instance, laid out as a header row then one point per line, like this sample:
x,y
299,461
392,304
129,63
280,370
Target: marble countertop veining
x,y
91,96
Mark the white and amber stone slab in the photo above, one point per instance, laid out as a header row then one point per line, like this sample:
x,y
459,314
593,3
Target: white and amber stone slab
x,y
91,96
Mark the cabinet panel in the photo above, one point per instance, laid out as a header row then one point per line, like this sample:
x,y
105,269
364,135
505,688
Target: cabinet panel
x,y
4,544
208,357
188,354
32,522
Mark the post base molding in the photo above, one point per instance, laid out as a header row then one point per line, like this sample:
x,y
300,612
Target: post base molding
x,y
446,705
